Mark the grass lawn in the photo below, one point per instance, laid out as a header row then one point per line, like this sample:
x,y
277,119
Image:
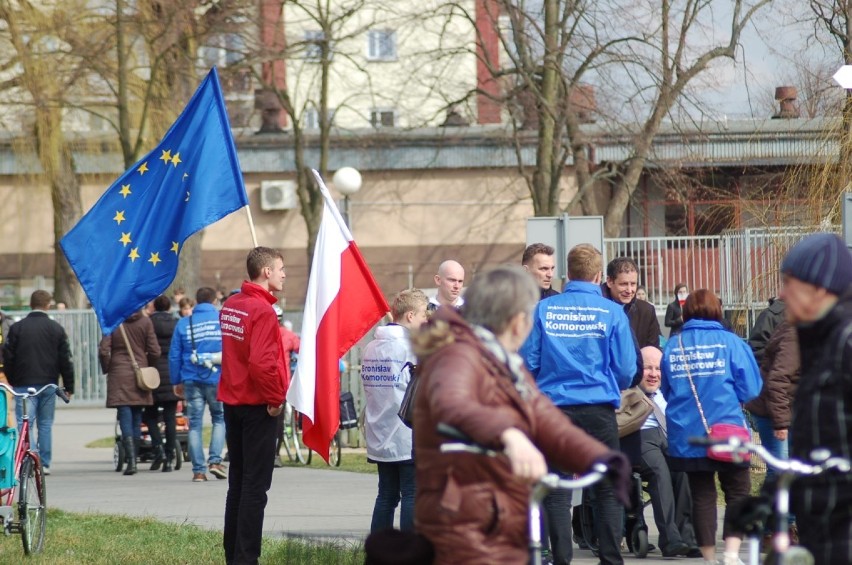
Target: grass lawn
x,y
354,462
96,539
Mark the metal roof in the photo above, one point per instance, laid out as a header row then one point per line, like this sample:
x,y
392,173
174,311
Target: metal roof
x,y
715,143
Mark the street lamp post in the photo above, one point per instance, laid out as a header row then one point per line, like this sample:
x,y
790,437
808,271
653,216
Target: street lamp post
x,y
347,181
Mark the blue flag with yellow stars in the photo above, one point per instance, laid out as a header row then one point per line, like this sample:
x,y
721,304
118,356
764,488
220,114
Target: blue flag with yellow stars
x,y
125,249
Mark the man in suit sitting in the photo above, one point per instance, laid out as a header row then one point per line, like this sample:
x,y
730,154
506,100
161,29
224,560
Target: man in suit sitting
x,y
648,450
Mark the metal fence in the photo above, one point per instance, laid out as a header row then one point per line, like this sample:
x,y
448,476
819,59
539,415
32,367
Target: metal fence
x,y
741,266
84,334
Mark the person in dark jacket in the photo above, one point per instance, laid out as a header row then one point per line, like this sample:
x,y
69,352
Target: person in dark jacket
x,y
538,261
37,353
474,508
771,410
123,394
817,289
622,279
164,395
764,327
674,311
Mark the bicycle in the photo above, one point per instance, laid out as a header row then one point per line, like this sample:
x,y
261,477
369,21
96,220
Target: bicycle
x,y
788,470
292,437
30,489
542,488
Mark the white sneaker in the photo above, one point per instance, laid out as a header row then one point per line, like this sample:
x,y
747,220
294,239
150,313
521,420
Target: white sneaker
x,y
46,470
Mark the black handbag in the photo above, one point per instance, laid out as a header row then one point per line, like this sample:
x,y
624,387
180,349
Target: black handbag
x,y
406,408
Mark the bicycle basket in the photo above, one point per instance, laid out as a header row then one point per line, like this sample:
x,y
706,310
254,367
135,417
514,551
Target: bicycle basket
x,y
8,441
348,415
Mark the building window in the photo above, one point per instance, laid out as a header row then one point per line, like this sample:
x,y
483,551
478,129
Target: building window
x,y
310,119
381,45
382,118
223,51
313,45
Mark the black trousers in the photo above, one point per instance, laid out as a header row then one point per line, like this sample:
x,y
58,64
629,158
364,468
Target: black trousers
x,y
828,536
597,420
250,433
736,485
669,491
151,416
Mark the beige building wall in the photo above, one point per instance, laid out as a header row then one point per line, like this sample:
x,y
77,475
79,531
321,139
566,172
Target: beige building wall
x,y
435,63
405,223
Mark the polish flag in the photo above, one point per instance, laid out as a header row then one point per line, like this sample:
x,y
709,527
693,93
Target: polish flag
x,y
342,304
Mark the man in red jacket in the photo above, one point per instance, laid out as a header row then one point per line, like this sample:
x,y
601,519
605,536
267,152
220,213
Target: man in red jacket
x,y
252,387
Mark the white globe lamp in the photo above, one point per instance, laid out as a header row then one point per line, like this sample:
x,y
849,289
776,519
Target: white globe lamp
x,y
347,181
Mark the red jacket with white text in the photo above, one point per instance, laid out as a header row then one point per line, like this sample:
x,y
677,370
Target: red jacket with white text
x,y
253,362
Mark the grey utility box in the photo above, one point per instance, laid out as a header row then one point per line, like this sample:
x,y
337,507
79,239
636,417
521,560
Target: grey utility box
x,y
564,232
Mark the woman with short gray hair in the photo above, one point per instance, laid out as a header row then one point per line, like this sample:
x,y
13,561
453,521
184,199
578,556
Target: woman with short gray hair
x,y
474,508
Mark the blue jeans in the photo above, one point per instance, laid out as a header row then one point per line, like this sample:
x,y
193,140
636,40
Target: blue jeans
x,y
197,395
130,421
396,481
773,445
40,410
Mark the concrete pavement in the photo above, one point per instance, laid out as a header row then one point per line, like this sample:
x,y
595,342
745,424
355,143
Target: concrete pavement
x,y
310,503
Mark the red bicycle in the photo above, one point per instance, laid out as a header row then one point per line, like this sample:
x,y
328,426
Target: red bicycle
x,y
28,491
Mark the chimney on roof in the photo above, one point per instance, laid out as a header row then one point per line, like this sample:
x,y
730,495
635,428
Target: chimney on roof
x,y
786,95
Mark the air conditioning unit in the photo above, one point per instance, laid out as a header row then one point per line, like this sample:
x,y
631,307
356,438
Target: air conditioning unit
x,y
278,195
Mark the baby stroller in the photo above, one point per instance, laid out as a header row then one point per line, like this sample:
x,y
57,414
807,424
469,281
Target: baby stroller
x,y
146,451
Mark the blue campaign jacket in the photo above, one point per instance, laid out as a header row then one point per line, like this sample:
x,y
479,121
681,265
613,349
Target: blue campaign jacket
x,y
208,339
581,349
725,374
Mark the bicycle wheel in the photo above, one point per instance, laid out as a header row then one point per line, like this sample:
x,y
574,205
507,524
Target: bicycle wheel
x,y
118,456
334,451
287,439
303,454
32,506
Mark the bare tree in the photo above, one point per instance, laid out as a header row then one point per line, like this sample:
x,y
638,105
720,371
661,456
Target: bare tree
x,y
41,70
330,25
646,56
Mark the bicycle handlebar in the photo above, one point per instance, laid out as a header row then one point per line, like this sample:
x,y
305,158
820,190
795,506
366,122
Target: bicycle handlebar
x,y
31,391
823,461
464,444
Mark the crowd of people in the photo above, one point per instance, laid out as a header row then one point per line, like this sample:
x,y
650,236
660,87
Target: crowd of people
x,y
535,374
539,375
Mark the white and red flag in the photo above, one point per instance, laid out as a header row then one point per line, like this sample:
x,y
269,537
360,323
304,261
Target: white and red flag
x,y
342,304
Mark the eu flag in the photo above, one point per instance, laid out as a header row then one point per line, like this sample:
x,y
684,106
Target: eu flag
x,y
125,249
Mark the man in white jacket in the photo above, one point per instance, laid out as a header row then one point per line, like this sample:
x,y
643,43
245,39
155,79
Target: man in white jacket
x,y
385,372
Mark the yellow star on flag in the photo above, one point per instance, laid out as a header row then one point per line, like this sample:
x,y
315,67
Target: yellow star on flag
x,y
176,159
125,190
143,168
134,254
119,217
125,238
175,247
166,156
155,258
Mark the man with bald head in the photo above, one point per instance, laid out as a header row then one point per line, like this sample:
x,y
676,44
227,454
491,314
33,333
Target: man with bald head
x,y
449,280
648,449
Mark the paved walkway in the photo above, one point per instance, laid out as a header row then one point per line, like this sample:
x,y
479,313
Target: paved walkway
x,y
312,503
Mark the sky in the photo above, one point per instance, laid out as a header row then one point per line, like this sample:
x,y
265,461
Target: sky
x,y
776,38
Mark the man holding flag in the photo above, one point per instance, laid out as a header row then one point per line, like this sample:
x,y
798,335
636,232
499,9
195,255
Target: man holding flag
x,y
252,387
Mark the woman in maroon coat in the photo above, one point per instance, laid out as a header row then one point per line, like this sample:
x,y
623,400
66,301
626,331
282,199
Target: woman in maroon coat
x,y
122,392
473,508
